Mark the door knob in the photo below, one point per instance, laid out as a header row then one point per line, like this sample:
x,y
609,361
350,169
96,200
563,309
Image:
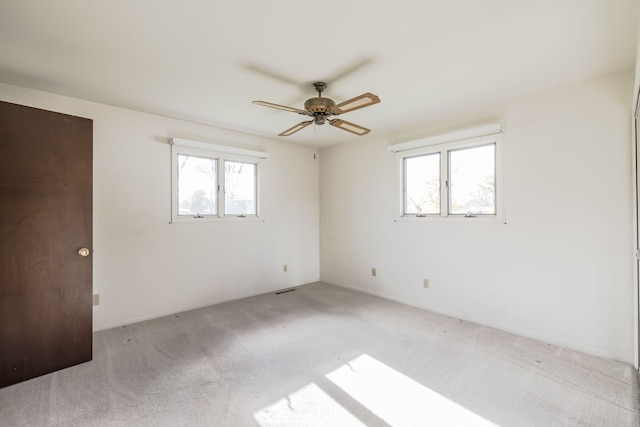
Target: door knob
x,y
83,252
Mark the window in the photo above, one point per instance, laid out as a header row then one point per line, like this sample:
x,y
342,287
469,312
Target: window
x,y
452,179
240,187
422,184
197,185
472,180
213,182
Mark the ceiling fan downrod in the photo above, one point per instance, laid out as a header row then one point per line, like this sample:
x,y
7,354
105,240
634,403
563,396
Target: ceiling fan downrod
x,y
320,87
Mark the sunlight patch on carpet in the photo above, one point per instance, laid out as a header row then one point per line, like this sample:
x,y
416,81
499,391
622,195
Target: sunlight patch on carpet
x,y
308,406
398,399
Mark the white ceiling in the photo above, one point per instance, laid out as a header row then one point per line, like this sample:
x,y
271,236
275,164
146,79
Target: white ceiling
x,y
206,60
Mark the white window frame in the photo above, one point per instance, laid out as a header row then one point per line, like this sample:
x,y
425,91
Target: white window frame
x,y
444,144
220,153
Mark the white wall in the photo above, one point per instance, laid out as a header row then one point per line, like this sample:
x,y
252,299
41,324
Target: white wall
x,y
145,267
560,270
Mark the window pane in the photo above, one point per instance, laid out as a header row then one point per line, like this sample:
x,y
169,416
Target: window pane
x,y
472,179
422,185
196,185
240,188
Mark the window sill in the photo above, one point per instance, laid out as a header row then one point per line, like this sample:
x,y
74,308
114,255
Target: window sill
x,y
458,219
216,219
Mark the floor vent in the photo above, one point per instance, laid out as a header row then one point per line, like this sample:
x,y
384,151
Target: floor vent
x,y
284,292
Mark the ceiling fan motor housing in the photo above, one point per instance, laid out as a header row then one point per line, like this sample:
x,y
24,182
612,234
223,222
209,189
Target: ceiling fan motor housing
x,y
318,105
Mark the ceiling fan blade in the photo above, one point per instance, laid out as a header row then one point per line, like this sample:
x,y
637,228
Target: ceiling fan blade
x,y
279,107
296,128
361,101
349,127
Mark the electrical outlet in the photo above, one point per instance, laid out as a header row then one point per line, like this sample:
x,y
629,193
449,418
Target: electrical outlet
x,y
96,299
425,283
374,272
285,268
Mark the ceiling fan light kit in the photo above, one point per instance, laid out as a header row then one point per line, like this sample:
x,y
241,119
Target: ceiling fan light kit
x,y
320,109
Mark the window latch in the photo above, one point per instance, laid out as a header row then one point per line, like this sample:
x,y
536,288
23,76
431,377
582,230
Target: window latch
x,y
242,216
421,215
469,215
198,216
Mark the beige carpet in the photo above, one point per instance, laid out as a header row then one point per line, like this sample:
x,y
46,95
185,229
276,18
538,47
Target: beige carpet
x,y
324,356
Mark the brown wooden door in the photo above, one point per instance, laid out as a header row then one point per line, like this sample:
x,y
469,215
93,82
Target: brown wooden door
x,y
45,218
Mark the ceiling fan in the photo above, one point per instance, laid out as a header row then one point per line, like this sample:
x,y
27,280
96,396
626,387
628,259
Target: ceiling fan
x,y
320,109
